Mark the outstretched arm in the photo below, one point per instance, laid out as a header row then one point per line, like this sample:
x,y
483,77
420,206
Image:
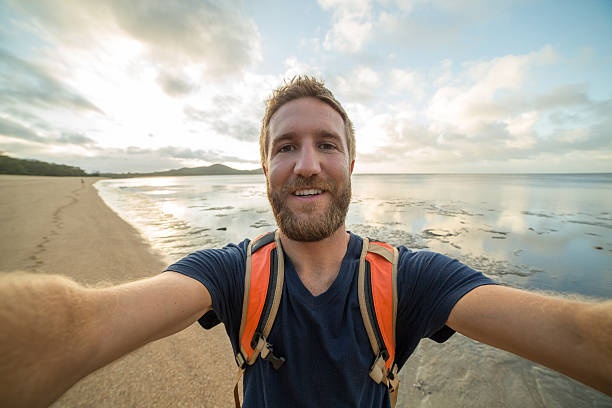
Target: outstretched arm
x,y
55,332
574,338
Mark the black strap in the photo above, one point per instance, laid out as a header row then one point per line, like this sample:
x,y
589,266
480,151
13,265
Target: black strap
x,y
369,298
262,242
209,320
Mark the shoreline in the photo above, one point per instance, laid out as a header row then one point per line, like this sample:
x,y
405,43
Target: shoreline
x,y
59,225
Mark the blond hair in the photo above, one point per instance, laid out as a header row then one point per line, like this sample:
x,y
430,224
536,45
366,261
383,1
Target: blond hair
x,y
303,87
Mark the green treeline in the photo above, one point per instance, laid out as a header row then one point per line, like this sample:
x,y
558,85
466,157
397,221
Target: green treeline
x,y
10,165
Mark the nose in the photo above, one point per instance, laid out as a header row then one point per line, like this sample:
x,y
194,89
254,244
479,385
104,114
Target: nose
x,y
307,163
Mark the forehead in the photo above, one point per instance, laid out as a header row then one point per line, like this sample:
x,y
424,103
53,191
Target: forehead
x,y
306,115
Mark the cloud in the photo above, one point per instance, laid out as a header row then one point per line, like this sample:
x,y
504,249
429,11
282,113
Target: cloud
x,y
14,130
74,139
174,152
407,83
199,115
487,117
244,130
234,110
294,67
407,24
9,128
351,27
563,96
477,95
224,123
137,159
210,156
359,85
216,35
414,144
24,83
175,86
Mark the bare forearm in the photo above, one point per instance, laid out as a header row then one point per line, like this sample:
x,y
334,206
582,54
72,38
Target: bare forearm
x,y
594,322
147,310
55,332
571,337
44,338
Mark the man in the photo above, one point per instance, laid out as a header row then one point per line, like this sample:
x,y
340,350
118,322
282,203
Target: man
x,y
308,153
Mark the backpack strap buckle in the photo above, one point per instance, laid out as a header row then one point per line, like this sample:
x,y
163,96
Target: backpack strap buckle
x,y
266,351
268,355
378,371
392,379
240,360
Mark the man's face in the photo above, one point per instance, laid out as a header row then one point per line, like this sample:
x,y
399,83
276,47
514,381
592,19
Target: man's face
x,y
308,169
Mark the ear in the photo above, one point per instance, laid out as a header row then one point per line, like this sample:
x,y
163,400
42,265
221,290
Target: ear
x,y
352,166
265,170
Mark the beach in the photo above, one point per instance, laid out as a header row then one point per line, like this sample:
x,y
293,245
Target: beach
x,y
61,226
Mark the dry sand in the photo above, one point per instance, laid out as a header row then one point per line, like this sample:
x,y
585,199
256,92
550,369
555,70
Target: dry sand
x,y
59,225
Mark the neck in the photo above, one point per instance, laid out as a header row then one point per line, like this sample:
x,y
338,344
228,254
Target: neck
x,y
317,263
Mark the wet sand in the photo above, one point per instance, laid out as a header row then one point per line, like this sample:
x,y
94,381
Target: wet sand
x,y
60,226
465,373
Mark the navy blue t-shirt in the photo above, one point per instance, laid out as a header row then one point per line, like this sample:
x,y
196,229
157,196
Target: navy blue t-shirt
x,y
323,337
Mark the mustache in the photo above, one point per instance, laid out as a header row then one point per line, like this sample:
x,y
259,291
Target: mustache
x,y
315,182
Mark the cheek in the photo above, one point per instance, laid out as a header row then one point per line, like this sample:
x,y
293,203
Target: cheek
x,y
338,168
277,172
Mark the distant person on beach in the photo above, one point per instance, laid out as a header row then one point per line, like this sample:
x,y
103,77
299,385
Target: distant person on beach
x,y
56,332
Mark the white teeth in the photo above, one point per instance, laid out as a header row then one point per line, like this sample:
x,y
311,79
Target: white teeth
x,y
307,192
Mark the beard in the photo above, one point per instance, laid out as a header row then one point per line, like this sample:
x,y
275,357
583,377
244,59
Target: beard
x,y
310,228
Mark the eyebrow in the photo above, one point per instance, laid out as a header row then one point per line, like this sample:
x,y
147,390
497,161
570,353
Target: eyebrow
x,y
331,135
282,138
291,135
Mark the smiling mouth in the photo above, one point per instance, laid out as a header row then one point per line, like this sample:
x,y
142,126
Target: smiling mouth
x,y
307,192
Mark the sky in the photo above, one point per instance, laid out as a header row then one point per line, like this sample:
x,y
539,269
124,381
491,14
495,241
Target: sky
x,y
465,86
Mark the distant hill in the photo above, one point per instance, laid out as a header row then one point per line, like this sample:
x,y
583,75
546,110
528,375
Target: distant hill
x,y
213,170
11,165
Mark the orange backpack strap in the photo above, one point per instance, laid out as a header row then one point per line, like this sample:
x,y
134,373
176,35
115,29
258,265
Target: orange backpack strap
x,y
377,289
263,287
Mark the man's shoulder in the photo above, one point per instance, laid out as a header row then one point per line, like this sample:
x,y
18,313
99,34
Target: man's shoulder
x,y
408,257
421,257
207,257
230,249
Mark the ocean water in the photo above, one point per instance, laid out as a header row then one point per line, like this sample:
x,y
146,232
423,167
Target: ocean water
x,y
544,232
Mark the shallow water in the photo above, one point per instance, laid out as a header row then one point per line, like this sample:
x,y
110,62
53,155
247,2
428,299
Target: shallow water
x,y
545,232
